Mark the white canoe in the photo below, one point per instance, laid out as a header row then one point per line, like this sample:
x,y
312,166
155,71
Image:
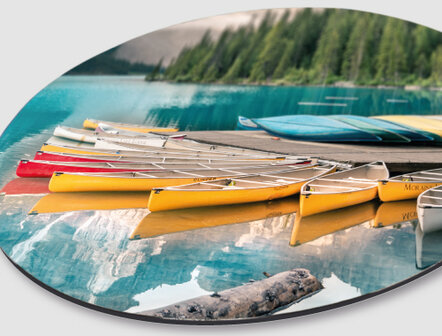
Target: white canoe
x,y
93,124
429,210
60,145
108,129
92,137
203,150
157,158
428,248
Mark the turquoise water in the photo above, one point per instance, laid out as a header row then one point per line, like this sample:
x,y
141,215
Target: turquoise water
x,y
88,254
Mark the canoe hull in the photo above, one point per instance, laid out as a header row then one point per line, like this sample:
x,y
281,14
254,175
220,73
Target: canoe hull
x,y
430,218
311,204
245,124
432,126
314,128
402,190
93,124
39,169
161,200
65,182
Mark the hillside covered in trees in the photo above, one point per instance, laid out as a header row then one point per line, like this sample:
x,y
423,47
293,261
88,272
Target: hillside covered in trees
x,y
316,47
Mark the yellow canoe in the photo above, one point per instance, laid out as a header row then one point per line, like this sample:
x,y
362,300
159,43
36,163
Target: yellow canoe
x,y
391,213
144,181
254,188
165,222
93,124
309,228
64,202
342,189
428,125
409,186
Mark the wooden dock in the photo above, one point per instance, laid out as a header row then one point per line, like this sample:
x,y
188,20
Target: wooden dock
x,y
399,158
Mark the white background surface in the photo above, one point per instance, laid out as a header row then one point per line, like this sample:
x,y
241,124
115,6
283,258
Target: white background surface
x,y
42,39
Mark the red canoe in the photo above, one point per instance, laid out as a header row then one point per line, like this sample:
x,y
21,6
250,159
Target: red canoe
x,y
32,168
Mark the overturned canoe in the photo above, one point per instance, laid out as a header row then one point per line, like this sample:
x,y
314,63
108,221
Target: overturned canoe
x,y
392,213
342,189
306,229
413,134
81,135
314,128
203,217
93,124
429,209
144,181
245,124
261,186
408,186
39,168
432,126
385,134
65,202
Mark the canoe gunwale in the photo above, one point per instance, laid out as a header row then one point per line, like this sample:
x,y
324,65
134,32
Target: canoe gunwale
x,y
307,193
179,188
397,178
422,205
134,174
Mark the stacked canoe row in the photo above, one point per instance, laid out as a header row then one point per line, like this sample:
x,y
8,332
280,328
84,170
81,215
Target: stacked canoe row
x,y
181,174
394,129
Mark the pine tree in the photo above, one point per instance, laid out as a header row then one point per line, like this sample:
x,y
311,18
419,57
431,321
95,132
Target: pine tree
x,y
270,55
392,56
436,66
328,56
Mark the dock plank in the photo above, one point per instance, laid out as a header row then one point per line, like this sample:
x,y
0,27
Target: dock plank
x,y
399,158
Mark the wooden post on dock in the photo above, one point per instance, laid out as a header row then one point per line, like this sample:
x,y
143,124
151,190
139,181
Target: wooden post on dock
x,y
250,300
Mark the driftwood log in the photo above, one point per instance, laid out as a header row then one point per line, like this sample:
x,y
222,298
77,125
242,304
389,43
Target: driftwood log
x,y
249,300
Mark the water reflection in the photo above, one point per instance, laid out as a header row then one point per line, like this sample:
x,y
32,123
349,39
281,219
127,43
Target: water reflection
x,y
428,248
309,228
88,254
394,213
196,218
80,201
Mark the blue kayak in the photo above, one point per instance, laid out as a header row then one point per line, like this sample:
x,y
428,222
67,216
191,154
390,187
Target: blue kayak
x,y
412,134
246,124
314,128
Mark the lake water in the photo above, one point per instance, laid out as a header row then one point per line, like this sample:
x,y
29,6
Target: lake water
x,y
90,256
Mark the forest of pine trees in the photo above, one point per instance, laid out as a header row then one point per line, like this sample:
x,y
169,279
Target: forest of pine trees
x,y
316,47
